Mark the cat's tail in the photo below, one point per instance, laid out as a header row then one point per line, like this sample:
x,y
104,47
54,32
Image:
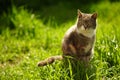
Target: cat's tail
x,y
49,60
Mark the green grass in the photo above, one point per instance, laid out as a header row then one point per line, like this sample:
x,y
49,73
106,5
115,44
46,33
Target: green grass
x,y
25,40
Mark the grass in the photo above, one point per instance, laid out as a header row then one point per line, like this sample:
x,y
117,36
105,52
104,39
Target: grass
x,y
25,40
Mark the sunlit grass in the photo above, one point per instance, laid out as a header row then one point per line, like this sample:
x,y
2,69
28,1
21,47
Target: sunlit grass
x,y
30,41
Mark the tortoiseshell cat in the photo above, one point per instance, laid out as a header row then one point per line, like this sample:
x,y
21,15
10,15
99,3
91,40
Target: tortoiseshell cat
x,y
78,41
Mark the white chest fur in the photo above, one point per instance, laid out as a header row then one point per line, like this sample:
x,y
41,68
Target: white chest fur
x,y
86,32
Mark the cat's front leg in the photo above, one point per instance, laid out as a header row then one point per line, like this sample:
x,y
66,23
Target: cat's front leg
x,y
88,56
72,48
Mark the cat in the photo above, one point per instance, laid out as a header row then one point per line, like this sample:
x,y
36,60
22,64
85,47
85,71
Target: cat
x,y
78,41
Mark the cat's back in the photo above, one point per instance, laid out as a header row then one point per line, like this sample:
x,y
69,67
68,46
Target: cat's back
x,y
70,31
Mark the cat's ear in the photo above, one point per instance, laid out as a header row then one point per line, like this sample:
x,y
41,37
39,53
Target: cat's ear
x,y
94,15
79,13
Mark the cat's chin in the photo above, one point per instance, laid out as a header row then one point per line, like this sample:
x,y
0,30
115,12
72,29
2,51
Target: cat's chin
x,y
90,32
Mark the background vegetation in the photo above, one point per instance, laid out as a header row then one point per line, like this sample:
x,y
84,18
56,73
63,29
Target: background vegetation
x,y
31,31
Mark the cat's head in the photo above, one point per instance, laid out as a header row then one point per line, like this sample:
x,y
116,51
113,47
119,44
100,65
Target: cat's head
x,y
86,23
86,20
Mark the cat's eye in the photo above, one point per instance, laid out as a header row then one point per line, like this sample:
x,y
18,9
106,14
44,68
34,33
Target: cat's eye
x,y
86,21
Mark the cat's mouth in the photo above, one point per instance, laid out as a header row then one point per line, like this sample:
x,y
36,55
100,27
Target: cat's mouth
x,y
84,27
